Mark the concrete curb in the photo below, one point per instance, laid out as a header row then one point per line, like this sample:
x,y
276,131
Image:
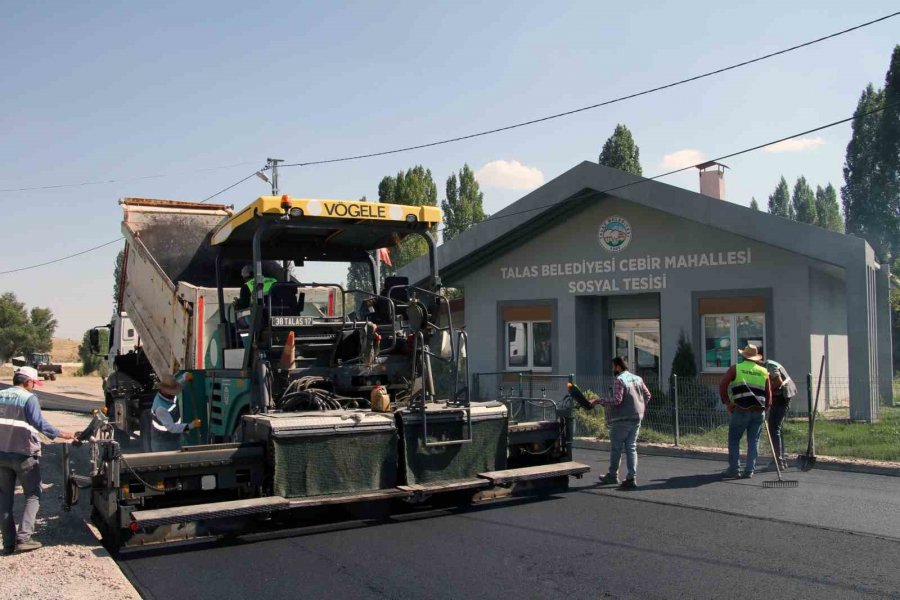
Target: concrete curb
x,y
828,463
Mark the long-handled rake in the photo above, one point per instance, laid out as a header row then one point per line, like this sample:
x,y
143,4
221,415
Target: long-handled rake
x,y
779,483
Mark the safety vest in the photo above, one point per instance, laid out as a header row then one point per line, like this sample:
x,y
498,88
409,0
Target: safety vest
x,y
268,282
632,406
748,390
17,435
172,407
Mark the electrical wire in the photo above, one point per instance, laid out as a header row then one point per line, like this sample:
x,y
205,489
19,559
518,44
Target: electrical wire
x,y
488,131
118,239
592,106
718,159
515,213
124,180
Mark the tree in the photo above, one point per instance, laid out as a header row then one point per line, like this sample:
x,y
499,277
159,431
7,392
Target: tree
x,y
754,204
415,187
43,326
620,152
780,200
90,362
804,202
864,217
463,206
887,147
15,328
828,212
683,364
117,278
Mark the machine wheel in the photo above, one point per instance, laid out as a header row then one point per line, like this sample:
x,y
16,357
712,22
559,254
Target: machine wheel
x,y
146,425
52,376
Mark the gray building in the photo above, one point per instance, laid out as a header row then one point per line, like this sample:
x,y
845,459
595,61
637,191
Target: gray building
x,y
598,263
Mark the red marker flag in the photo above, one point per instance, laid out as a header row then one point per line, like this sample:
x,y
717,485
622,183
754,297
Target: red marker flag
x,y
385,256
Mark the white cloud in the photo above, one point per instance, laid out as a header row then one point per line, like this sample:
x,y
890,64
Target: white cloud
x,y
795,145
682,158
509,174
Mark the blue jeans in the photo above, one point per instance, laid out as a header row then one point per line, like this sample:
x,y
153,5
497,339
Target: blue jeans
x,y
27,469
623,434
741,422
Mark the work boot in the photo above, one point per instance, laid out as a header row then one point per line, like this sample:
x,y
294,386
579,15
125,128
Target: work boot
x,y
7,551
628,484
746,475
730,474
609,479
27,546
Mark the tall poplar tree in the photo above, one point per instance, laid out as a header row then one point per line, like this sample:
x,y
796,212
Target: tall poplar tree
x,y
620,152
464,204
414,187
828,212
804,202
754,204
780,200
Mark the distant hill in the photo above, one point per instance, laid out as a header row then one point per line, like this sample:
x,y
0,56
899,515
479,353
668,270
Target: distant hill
x,y
64,350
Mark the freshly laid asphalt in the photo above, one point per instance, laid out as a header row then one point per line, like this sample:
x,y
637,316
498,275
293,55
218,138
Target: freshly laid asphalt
x,y
59,402
683,534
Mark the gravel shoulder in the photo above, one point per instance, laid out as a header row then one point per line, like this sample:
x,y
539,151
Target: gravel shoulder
x,y
72,563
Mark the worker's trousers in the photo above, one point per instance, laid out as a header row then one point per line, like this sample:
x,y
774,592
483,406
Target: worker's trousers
x,y
27,469
623,436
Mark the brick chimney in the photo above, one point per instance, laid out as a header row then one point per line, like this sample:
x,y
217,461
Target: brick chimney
x,y
712,179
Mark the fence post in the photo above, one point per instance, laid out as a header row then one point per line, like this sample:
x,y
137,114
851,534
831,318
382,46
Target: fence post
x,y
521,391
809,402
675,387
477,386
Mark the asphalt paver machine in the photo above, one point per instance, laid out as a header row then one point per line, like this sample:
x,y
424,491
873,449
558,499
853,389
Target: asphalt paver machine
x,y
318,396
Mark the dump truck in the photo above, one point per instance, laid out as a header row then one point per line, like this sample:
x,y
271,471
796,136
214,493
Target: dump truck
x,y
363,403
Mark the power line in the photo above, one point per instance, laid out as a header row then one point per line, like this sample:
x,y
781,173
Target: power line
x,y
718,159
532,209
593,106
124,180
118,239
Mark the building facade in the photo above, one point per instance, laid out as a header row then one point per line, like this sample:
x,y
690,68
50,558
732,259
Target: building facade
x,y
598,263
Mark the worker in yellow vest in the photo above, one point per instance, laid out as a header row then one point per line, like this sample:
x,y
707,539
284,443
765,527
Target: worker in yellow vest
x,y
746,391
249,287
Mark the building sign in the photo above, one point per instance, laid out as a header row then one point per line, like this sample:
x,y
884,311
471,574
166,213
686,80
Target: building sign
x,y
614,234
641,273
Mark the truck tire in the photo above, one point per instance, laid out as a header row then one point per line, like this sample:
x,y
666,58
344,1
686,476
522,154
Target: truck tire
x,y
146,424
52,376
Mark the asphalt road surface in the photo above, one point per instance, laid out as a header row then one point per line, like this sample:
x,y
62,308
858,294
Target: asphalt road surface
x,y
59,402
683,534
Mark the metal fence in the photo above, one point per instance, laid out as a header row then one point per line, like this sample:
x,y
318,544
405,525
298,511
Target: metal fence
x,y
688,412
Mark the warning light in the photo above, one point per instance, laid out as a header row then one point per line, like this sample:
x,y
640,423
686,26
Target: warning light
x,y
285,202
133,527
105,410
188,376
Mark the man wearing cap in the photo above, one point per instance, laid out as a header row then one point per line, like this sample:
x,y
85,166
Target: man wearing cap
x,y
167,426
747,393
20,452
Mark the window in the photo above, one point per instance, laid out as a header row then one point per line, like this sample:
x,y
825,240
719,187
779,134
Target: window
x,y
529,345
725,335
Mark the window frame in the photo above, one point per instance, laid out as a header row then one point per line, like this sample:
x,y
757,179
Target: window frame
x,y
529,346
732,317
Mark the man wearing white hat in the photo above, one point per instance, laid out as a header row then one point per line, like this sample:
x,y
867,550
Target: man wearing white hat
x,y
747,392
20,452
167,426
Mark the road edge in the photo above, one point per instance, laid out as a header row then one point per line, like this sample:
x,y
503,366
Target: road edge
x,y
102,553
828,463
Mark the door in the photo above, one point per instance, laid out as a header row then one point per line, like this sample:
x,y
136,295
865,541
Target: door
x,y
638,341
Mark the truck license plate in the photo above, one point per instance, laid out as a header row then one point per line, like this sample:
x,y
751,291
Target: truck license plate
x,y
291,321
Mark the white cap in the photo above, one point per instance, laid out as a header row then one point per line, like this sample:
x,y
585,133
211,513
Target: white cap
x,y
29,372
246,271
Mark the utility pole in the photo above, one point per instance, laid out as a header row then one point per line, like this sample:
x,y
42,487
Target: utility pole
x,y
272,163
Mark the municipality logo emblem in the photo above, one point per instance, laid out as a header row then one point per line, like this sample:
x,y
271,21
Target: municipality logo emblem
x,y
615,234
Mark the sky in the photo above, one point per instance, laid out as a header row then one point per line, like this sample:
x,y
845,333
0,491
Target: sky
x,y
179,100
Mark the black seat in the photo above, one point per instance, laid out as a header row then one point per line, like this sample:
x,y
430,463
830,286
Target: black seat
x,y
283,299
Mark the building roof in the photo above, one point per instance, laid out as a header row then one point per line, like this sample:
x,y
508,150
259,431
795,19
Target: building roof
x,y
586,183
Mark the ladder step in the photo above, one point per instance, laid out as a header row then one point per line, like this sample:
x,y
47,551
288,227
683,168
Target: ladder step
x,y
538,472
212,510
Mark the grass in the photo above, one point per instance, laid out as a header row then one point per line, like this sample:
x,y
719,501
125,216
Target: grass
x,y
834,437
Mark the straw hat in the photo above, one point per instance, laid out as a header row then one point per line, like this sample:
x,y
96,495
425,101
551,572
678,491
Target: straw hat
x,y
169,386
751,352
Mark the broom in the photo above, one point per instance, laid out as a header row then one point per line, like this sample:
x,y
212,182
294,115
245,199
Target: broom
x,y
779,483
